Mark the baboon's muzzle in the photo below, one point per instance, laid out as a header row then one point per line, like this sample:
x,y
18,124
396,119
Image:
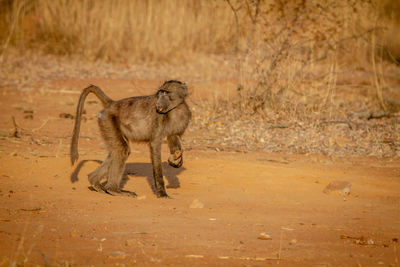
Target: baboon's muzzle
x,y
162,105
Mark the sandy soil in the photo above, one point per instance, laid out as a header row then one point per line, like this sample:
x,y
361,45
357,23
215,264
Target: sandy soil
x,y
221,201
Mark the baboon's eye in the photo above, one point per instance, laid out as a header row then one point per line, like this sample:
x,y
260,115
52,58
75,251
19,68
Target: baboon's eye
x,y
163,92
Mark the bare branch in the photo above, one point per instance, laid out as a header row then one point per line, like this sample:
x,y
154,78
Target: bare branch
x,y
239,63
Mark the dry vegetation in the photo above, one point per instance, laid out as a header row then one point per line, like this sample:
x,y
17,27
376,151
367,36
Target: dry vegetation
x,y
310,76
119,30
315,77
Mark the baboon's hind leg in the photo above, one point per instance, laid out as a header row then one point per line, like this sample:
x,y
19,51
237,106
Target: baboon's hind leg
x,y
97,175
116,170
118,154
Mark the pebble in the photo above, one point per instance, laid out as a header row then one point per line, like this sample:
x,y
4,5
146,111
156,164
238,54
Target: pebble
x,y
130,242
74,233
25,89
343,187
118,255
196,204
264,236
194,256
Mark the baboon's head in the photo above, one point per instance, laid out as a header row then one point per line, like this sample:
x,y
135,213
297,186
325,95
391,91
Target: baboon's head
x,y
170,95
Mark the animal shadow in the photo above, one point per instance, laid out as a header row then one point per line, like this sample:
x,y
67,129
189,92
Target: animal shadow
x,y
139,170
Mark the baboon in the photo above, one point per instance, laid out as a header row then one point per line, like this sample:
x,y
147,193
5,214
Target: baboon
x,y
142,119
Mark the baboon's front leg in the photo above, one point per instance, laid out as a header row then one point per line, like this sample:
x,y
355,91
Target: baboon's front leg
x,y
175,147
155,150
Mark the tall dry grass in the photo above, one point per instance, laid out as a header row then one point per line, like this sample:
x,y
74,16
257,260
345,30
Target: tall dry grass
x,y
161,29
120,29
294,47
283,49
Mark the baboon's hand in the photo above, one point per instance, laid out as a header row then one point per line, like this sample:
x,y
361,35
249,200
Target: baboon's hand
x,y
176,159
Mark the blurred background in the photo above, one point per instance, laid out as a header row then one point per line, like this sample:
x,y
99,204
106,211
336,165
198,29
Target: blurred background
x,y
269,39
162,29
287,63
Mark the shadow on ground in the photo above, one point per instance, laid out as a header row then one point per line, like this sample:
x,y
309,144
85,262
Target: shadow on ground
x,y
139,170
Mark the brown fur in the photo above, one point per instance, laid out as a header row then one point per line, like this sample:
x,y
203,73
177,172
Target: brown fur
x,y
144,119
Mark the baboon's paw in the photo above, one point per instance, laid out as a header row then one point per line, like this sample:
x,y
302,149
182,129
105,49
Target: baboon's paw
x,y
176,159
122,193
177,154
175,163
97,188
128,193
162,194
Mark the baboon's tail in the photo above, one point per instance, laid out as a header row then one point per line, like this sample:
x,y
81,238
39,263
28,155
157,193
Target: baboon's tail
x,y
105,100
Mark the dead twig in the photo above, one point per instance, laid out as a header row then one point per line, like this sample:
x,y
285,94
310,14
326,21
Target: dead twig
x,y
379,115
16,132
239,63
31,209
337,122
280,125
378,85
280,248
41,126
46,263
369,115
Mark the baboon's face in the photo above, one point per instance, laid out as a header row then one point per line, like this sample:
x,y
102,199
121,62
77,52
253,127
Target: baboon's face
x,y
169,96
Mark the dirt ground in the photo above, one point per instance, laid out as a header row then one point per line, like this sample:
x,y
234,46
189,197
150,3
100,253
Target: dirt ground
x,y
221,201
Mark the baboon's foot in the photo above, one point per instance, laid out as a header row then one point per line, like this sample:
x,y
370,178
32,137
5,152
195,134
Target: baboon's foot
x,y
176,159
98,188
121,193
162,194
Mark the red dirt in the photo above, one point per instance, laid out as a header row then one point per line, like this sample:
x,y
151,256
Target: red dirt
x,y
47,219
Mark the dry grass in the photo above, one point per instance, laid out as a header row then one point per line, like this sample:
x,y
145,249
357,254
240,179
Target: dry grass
x,y
120,30
302,47
165,29
302,66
